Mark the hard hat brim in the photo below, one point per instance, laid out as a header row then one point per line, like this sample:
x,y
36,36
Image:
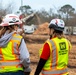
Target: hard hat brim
x,y
56,27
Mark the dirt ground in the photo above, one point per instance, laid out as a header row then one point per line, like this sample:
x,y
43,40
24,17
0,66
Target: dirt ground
x,y
35,42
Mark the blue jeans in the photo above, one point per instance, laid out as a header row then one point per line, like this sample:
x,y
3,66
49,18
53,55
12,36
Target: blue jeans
x,y
13,73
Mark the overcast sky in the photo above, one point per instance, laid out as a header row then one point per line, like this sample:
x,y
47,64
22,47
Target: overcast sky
x,y
39,4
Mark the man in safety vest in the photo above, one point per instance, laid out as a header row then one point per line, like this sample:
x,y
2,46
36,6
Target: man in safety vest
x,y
54,54
14,56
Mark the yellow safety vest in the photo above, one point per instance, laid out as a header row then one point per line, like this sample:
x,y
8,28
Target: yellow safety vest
x,y
58,60
9,55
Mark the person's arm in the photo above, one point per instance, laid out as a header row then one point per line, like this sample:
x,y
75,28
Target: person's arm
x,y
70,46
40,65
43,58
24,56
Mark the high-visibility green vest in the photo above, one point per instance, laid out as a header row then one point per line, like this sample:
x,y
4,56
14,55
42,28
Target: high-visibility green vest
x,y
9,55
58,60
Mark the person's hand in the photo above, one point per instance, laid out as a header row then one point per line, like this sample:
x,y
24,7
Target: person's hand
x,y
27,73
20,31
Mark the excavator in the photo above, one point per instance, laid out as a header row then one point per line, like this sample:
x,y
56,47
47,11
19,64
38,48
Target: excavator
x,y
25,20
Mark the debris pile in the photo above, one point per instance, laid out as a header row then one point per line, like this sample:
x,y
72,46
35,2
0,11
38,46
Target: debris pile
x,y
42,29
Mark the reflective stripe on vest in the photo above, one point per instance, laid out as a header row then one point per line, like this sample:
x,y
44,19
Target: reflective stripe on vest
x,y
53,54
55,72
12,58
9,63
54,62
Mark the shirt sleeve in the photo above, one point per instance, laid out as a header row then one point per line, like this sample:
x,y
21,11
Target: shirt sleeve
x,y
70,45
24,56
46,52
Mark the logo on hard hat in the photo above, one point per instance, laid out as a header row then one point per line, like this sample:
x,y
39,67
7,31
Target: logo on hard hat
x,y
61,21
14,19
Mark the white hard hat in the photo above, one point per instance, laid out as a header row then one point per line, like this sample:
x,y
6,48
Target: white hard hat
x,y
11,19
57,24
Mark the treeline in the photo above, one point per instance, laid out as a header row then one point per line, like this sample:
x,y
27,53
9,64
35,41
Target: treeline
x,y
66,12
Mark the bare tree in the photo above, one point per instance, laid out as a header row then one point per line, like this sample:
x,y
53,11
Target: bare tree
x,y
6,9
66,10
25,9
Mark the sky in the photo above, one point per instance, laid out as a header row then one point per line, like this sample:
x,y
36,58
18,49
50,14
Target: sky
x,y
39,4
